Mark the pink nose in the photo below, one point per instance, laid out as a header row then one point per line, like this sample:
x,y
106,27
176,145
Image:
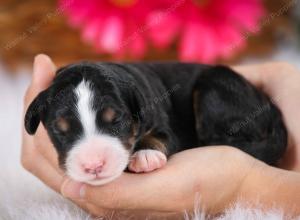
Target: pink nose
x,y
93,168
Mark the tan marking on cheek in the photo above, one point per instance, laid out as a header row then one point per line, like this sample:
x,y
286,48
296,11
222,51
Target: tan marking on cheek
x,y
134,129
195,100
129,142
108,115
196,109
132,139
62,124
151,142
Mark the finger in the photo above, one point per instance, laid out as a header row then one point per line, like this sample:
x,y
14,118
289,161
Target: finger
x,y
263,75
128,192
71,193
43,71
44,145
94,210
111,195
43,170
43,74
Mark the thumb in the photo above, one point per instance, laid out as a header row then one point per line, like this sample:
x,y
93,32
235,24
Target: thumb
x,y
76,191
43,71
111,195
43,74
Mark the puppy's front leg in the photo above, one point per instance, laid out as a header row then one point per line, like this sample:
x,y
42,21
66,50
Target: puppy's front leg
x,y
150,154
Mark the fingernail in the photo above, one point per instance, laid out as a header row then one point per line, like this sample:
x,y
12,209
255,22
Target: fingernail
x,y
73,190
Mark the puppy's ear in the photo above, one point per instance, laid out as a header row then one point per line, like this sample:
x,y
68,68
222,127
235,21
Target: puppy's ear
x,y
35,111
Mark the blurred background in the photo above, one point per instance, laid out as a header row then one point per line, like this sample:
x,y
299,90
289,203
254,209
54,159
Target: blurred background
x,y
209,31
205,31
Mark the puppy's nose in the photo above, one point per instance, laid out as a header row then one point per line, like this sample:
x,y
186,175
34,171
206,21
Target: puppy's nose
x,y
94,168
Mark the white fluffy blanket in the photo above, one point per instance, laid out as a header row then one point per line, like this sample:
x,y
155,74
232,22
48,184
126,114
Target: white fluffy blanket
x,y
24,197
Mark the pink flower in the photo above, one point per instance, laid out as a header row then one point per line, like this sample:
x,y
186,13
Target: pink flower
x,y
107,24
205,30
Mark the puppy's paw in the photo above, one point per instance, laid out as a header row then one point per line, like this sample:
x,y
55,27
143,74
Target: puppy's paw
x,y
144,161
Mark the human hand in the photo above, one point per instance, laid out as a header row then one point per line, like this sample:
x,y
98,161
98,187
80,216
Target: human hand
x,y
172,188
178,181
212,175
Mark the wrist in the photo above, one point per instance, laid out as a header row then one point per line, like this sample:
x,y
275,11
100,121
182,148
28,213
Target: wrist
x,y
270,187
256,183
248,181
234,178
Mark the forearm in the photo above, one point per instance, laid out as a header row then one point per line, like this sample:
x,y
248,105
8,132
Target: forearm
x,y
273,188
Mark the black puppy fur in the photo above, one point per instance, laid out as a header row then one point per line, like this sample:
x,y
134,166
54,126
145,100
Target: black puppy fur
x,y
165,106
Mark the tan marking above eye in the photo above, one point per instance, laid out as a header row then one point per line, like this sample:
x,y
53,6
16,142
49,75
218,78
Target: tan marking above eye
x,y
62,124
108,115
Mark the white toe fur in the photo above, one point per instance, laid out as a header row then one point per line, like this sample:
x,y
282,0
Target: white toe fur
x,y
146,161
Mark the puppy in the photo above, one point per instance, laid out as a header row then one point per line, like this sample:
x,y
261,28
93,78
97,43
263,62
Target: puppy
x,y
104,118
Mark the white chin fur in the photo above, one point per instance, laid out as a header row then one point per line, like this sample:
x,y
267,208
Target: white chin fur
x,y
98,182
108,148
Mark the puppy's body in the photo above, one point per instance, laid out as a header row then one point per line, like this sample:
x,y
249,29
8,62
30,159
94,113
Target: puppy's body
x,y
139,113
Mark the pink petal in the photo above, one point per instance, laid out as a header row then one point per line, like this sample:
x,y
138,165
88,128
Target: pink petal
x,y
111,36
198,44
230,40
163,28
76,10
91,31
137,47
206,31
245,14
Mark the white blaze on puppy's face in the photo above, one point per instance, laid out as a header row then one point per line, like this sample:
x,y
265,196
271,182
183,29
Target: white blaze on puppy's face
x,y
96,158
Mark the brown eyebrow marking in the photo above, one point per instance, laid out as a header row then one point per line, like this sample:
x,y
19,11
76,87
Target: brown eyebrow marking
x,y
108,115
62,124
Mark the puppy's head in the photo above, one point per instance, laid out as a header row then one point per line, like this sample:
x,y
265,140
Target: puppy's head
x,y
92,118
